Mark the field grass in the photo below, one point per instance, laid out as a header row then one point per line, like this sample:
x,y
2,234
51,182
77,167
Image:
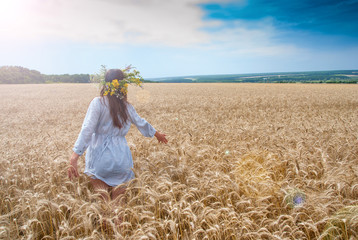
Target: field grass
x,y
244,161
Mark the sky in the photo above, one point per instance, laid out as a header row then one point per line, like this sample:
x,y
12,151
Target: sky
x,y
164,38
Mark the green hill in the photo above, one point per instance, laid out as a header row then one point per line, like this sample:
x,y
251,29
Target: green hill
x,y
339,76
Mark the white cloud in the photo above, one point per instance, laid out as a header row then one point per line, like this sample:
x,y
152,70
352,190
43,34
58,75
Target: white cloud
x,y
169,22
176,23
242,40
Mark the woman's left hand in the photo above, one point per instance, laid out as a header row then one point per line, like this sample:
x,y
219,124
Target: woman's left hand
x,y
72,169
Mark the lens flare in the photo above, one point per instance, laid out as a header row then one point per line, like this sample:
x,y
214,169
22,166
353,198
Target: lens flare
x,y
295,198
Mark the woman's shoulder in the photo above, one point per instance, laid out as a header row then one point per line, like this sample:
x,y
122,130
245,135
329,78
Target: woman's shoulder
x,y
129,104
130,107
97,99
96,102
102,100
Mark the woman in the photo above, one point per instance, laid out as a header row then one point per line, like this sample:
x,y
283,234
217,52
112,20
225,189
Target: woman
x,y
108,159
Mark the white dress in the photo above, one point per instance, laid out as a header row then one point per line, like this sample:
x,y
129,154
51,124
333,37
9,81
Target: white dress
x,y
108,156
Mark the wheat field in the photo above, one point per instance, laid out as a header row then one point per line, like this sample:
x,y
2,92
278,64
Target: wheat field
x,y
244,161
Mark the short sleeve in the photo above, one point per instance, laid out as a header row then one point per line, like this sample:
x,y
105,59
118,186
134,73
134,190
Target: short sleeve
x,y
88,127
143,126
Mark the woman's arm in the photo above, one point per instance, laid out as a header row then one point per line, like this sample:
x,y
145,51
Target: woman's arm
x,y
144,127
88,128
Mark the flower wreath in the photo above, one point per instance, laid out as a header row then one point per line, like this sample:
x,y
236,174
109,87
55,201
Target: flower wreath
x,y
119,88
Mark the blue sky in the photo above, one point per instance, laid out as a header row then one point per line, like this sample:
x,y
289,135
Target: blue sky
x,y
176,38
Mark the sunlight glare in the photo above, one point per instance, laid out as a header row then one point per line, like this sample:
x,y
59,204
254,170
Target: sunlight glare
x,y
15,18
9,9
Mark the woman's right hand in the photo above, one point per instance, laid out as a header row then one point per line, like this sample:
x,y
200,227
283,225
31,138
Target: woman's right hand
x,y
161,137
72,169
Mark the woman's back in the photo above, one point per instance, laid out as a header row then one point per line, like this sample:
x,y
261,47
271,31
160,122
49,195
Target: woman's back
x,y
107,121
108,156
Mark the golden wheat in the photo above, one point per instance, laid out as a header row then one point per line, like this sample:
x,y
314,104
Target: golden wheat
x,y
244,161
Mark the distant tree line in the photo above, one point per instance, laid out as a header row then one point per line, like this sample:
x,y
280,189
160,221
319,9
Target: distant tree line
x,y
19,75
67,78
9,74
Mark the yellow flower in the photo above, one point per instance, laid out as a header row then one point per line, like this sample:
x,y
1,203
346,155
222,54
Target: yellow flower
x,y
125,85
124,91
115,83
105,93
137,81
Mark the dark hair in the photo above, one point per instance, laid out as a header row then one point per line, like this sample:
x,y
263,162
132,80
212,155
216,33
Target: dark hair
x,y
117,106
